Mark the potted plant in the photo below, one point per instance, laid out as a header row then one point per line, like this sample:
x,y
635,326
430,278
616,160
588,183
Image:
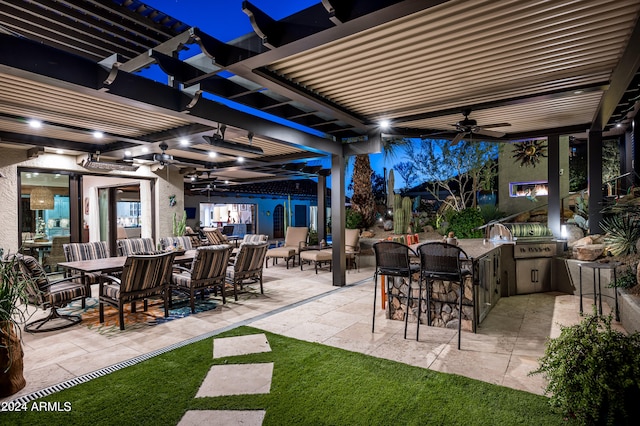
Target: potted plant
x,y
13,303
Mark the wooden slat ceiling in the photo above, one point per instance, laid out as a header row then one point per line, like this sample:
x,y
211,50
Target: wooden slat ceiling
x,y
535,64
470,52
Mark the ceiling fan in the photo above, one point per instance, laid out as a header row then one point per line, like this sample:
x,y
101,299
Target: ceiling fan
x,y
470,126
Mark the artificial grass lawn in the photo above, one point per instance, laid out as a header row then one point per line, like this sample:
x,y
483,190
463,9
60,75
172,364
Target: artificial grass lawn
x,y
312,384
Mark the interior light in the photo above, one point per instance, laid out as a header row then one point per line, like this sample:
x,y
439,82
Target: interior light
x,y
35,124
98,135
578,92
226,182
619,125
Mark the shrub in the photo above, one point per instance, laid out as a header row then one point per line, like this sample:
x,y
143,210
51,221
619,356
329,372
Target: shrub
x,y
464,222
594,372
626,278
353,219
622,233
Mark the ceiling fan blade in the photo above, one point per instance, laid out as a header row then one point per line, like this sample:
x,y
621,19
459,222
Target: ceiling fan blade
x,y
490,133
488,126
458,138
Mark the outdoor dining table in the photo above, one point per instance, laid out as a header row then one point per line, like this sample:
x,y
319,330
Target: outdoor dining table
x,y
113,264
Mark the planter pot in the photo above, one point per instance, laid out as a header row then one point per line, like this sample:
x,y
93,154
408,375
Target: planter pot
x,y
486,198
11,365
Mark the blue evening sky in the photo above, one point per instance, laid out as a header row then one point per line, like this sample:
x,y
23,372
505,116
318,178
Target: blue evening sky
x,y
225,20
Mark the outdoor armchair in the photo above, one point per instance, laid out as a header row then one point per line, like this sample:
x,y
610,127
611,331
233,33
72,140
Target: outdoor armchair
x,y
132,246
169,242
295,238
48,294
247,266
56,255
208,270
143,277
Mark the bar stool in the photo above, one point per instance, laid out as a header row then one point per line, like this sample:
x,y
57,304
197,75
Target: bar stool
x,y
441,261
392,260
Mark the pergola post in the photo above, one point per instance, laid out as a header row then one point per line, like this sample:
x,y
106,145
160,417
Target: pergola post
x,y
337,220
594,179
554,213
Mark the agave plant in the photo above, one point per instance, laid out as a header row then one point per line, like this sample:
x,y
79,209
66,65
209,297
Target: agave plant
x,y
622,233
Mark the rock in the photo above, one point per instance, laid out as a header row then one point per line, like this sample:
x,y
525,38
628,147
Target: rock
x,y
585,241
588,252
428,229
523,217
574,233
367,234
388,225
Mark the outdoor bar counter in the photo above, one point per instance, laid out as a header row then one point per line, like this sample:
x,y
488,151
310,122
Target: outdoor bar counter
x,y
481,289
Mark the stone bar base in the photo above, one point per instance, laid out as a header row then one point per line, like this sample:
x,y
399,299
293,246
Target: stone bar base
x,y
444,306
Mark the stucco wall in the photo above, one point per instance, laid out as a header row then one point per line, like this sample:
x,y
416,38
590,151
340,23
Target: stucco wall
x,y
11,159
511,171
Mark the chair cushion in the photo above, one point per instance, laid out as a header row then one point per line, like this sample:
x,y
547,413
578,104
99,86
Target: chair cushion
x,y
65,291
182,279
86,251
316,255
281,252
134,246
296,235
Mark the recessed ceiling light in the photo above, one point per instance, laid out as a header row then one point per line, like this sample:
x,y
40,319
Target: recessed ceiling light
x,y
240,160
212,154
127,153
145,149
35,124
98,135
384,124
184,141
226,182
578,92
619,125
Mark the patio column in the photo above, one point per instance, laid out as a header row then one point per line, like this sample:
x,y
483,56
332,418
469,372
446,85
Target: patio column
x,y
634,152
594,179
322,207
338,219
553,174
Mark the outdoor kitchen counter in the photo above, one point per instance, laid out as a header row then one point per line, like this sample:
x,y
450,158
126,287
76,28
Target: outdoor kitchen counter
x,y
474,247
481,290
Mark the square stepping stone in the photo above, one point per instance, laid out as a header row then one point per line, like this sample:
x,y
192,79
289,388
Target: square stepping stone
x,y
240,345
222,417
236,379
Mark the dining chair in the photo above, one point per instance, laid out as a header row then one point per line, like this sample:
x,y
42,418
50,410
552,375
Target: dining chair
x,y
247,266
86,251
444,262
143,277
208,270
393,260
47,294
56,255
184,242
133,246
